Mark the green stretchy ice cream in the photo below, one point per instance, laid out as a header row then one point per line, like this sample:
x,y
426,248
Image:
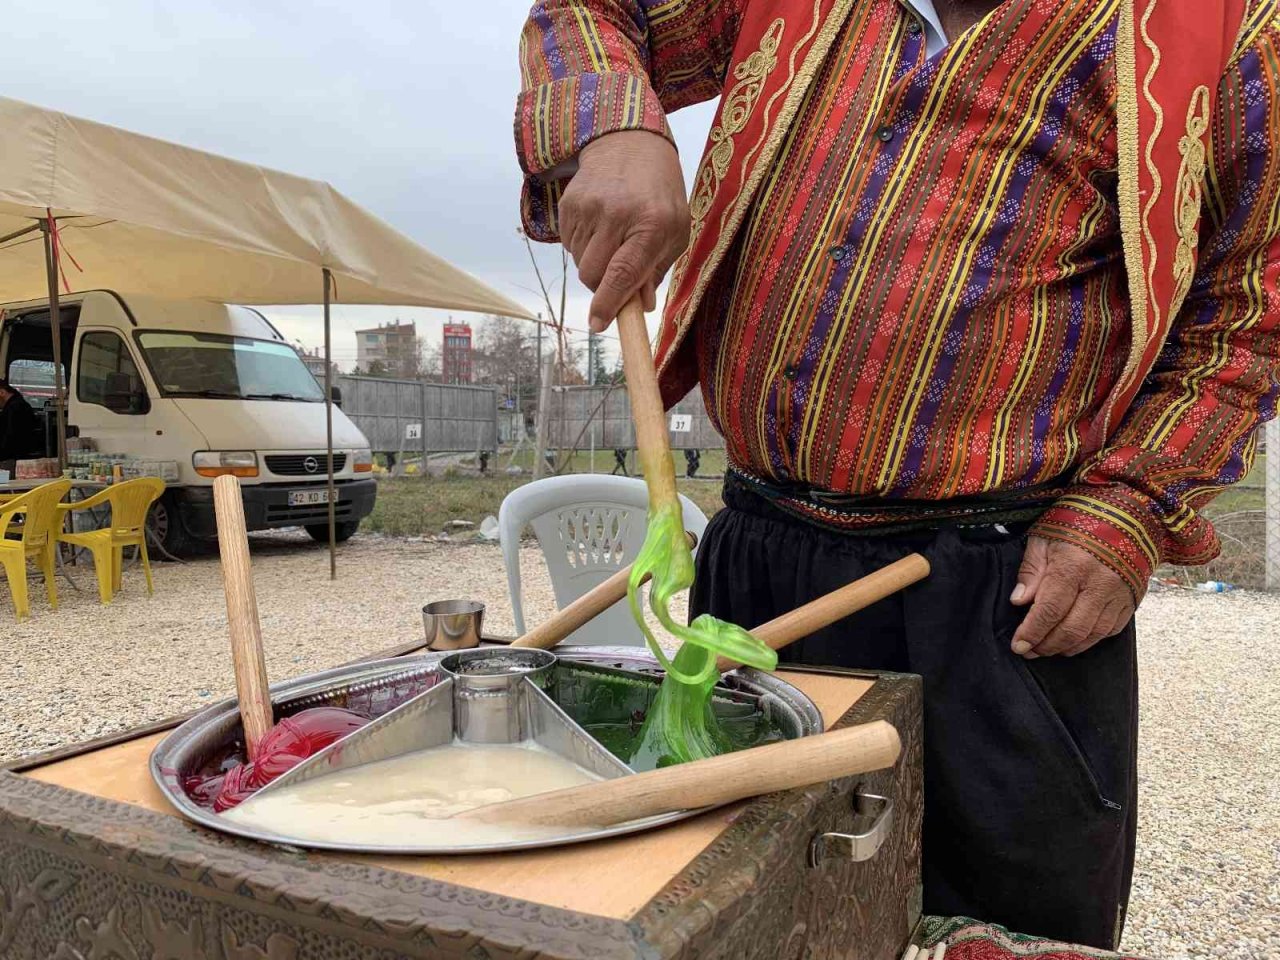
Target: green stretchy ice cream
x,y
681,726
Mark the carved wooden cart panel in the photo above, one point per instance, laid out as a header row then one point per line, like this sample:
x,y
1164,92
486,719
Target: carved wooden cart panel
x,y
83,877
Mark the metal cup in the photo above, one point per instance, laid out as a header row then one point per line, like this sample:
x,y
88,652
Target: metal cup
x,y
491,698
452,624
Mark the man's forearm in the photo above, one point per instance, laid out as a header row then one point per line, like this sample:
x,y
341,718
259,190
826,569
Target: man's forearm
x,y
1189,433
595,67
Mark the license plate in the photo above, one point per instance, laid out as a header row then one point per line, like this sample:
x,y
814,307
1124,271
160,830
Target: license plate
x,y
302,498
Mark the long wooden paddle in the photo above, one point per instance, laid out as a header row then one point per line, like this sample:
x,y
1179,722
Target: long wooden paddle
x,y
777,633
586,608
242,614
705,783
653,446
838,604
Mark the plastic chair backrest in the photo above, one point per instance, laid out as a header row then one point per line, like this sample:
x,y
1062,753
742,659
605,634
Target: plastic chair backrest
x,y
130,502
589,526
40,511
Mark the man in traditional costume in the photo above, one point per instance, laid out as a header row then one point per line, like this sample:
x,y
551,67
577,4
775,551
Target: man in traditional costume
x,y
993,281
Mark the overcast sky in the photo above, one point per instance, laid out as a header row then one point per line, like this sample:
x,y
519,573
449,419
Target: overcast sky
x,y
405,107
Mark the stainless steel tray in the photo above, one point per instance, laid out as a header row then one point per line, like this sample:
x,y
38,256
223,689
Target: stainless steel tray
x,y
380,686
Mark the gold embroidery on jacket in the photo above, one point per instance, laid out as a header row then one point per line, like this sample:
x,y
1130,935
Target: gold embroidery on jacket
x,y
825,28
1190,193
1131,211
1157,184
739,103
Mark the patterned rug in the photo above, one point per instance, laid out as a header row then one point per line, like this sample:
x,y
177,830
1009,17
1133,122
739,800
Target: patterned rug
x,y
971,940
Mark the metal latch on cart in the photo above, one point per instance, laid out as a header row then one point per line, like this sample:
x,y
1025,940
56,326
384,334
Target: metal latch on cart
x,y
856,847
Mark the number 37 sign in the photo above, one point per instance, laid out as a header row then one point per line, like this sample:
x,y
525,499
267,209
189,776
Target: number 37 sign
x,y
681,422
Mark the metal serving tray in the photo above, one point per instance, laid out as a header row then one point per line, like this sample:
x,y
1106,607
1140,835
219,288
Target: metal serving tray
x,y
380,687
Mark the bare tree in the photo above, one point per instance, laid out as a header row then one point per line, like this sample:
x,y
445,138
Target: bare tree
x,y
505,354
556,370
429,361
404,358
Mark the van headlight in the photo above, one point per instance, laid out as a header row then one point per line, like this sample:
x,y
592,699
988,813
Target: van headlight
x,y
362,461
219,463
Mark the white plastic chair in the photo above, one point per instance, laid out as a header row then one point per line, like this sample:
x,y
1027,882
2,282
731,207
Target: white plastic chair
x,y
588,525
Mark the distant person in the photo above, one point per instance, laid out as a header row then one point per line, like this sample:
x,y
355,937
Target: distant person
x,y
17,423
692,460
620,463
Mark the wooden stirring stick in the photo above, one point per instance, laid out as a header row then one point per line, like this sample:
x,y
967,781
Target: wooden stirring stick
x,y
242,614
838,604
705,783
647,414
586,608
777,633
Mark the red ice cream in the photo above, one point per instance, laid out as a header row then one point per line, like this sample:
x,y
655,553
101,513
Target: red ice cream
x,y
286,745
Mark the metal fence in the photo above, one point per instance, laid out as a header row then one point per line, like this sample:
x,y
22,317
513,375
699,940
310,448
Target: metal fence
x,y
600,418
418,417
462,419
444,418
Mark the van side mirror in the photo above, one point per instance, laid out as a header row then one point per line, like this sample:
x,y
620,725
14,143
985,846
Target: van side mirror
x,y
123,395
135,403
335,394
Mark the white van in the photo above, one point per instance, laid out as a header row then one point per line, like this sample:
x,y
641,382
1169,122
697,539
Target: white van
x,y
214,388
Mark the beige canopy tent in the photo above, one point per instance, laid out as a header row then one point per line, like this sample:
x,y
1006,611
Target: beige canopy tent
x,y
108,209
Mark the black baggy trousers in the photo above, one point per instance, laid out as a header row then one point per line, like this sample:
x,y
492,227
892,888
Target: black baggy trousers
x,y
1030,765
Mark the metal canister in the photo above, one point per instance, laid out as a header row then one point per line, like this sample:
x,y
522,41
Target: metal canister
x,y
490,691
453,624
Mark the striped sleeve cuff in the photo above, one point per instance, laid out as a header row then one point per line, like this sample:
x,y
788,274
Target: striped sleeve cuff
x,y
555,120
1123,529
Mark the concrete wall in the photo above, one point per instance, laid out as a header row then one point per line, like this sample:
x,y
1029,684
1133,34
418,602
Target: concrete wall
x,y
609,413
454,418
462,419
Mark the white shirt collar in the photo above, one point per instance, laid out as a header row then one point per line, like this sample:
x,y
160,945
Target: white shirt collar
x,y
935,38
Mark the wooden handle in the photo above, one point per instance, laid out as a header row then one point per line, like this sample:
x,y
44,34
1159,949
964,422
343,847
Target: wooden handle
x,y
586,608
706,783
647,413
242,614
838,604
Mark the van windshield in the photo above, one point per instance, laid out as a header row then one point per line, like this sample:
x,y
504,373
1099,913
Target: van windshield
x,y
233,368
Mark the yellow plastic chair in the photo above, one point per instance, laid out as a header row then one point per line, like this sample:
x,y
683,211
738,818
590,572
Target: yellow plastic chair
x,y
35,540
129,503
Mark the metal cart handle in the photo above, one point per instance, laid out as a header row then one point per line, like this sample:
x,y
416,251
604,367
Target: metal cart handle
x,y
856,847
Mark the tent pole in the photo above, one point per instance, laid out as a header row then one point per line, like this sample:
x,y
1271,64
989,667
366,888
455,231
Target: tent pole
x,y
21,233
328,428
55,328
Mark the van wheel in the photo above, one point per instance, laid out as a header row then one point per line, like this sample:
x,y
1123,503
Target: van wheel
x,y
343,531
165,528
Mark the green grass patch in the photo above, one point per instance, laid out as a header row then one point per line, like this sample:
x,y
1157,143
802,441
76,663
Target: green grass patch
x,y
414,506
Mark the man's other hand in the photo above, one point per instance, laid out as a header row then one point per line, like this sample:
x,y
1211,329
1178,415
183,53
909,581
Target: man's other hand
x,y
624,219
1076,600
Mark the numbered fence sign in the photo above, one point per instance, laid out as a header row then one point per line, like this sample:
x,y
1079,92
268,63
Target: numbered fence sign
x,y
413,431
681,422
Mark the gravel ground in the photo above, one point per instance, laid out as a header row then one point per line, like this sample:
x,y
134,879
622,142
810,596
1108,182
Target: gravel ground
x,y
1207,882
1208,874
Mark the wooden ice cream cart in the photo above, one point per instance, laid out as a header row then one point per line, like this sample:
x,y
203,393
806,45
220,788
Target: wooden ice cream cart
x,y
95,864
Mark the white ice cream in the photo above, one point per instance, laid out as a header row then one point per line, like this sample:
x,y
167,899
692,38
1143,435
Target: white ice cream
x,y
407,800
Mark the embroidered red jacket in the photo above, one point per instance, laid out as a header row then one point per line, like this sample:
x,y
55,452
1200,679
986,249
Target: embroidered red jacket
x,y
1085,249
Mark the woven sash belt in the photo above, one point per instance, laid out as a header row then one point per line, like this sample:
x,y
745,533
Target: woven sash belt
x,y
880,516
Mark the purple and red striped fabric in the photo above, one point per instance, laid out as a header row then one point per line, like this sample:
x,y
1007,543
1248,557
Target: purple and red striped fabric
x,y
928,297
